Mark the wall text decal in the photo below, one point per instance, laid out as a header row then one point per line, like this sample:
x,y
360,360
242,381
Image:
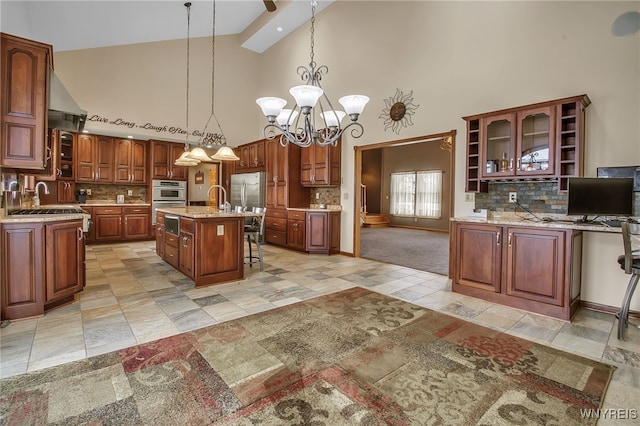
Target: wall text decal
x,y
162,128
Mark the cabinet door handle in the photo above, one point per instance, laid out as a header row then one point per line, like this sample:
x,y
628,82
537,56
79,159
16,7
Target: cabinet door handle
x,y
509,241
497,238
80,234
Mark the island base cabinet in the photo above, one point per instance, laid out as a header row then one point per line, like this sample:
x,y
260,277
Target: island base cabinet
x,y
529,268
22,252
218,250
208,250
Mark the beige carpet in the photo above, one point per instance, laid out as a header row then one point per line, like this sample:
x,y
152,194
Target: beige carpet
x,y
424,250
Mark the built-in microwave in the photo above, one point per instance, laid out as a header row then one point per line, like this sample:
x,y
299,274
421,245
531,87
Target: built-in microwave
x,y
168,190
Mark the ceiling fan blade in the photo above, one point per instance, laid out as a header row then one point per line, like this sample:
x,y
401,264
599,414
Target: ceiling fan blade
x,y
270,5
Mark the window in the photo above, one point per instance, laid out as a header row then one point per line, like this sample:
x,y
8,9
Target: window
x,y
416,194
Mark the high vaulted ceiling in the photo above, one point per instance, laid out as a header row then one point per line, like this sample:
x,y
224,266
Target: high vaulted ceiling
x,y
78,24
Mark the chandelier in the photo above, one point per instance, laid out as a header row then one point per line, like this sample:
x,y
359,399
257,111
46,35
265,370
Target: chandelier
x,y
298,125
210,139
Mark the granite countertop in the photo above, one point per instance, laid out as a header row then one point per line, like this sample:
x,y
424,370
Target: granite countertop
x,y
99,203
31,218
317,208
550,221
203,212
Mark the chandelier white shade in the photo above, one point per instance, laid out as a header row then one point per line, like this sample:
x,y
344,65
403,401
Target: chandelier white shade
x,y
333,118
298,125
354,104
286,117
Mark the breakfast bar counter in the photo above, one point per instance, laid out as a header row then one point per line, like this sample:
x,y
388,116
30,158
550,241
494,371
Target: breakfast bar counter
x,y
203,242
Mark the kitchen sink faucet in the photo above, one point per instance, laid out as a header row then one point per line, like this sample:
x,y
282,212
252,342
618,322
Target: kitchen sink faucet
x,y
225,205
36,196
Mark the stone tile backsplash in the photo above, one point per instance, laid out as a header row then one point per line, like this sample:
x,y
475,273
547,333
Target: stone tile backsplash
x,y
109,193
537,196
328,196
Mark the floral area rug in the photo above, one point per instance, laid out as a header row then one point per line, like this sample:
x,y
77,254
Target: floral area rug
x,y
350,358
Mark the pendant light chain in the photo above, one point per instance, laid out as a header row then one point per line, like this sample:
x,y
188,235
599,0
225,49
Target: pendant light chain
x,y
312,31
213,56
188,6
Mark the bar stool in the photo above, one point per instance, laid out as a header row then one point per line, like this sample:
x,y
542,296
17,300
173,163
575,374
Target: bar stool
x,y
630,263
254,232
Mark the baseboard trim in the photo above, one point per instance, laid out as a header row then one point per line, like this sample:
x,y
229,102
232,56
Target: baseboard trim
x,y
606,308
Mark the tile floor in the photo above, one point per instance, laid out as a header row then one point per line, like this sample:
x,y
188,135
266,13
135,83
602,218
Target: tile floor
x,y
132,297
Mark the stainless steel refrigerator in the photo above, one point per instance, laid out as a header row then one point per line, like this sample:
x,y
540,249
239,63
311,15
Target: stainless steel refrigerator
x,y
247,190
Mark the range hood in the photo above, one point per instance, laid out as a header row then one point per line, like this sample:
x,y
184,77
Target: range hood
x,y
64,113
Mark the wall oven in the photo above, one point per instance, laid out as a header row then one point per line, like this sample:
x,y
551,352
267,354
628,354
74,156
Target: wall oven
x,y
167,193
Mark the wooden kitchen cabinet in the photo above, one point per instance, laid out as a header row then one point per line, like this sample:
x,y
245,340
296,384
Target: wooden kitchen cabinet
x,y
320,165
252,157
108,223
542,141
130,161
323,232
23,270
283,188
94,158
65,267
116,223
296,235
137,222
186,251
42,266
314,231
24,86
172,249
160,240
66,192
163,156
531,268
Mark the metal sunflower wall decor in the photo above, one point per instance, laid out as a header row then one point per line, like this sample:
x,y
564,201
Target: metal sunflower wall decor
x,y
398,110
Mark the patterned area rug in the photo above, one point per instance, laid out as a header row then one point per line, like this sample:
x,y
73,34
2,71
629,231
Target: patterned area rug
x,y
350,358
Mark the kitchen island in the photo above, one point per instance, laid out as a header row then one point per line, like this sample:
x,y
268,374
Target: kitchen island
x,y
203,242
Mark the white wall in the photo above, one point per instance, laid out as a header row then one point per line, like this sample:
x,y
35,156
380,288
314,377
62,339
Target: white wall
x,y
458,58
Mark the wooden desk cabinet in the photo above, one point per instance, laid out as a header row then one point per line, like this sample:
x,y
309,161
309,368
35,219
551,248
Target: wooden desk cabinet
x,y
531,268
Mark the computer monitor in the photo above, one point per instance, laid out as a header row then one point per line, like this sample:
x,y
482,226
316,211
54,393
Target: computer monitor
x,y
600,197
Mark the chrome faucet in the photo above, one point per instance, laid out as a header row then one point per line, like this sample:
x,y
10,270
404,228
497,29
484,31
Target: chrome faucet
x,y
36,196
46,188
225,205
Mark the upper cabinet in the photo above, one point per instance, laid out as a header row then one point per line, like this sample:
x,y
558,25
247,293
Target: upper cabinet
x,y
252,157
544,140
130,161
24,88
163,156
320,165
94,158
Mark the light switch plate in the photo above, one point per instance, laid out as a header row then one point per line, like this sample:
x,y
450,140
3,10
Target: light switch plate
x,y
220,230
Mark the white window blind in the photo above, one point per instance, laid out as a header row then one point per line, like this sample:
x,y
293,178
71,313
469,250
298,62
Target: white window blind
x,y
416,194
429,194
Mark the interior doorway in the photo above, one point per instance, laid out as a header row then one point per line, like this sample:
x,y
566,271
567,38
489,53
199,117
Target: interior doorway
x,y
393,152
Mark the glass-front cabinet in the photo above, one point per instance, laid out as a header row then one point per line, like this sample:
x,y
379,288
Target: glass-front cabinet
x,y
499,145
536,142
518,144
541,141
